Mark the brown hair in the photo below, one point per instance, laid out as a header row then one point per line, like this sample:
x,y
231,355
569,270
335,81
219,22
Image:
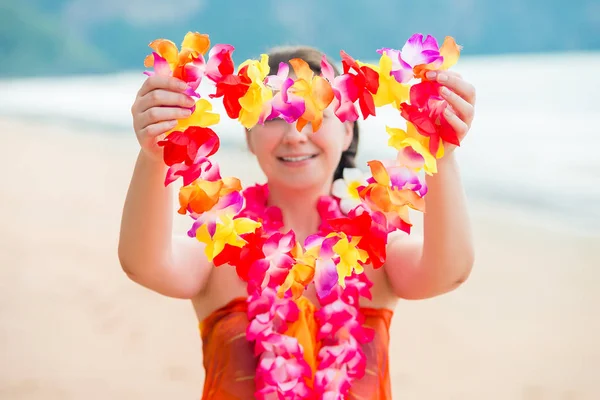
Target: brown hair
x,y
313,58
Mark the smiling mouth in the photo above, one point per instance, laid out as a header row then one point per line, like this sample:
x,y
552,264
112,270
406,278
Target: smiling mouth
x,y
296,159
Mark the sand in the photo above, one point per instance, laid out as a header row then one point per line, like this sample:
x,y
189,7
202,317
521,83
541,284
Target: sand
x,y
72,326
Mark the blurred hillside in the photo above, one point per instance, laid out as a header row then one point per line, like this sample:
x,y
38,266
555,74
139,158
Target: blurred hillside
x,y
56,37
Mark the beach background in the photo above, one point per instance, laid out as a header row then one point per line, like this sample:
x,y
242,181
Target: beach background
x,y
524,326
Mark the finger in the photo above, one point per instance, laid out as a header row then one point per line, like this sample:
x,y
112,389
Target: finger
x,y
453,80
431,75
159,128
463,109
463,88
159,114
160,98
162,82
456,123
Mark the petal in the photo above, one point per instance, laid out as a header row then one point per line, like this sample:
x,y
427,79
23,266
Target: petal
x,y
302,69
339,189
245,225
199,43
161,66
353,174
450,51
166,49
327,70
322,92
379,172
326,277
347,205
412,49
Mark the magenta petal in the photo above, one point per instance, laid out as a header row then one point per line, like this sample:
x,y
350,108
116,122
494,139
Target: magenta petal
x,y
431,43
326,277
415,52
161,66
192,231
403,75
413,47
275,81
288,83
215,57
231,202
327,71
194,72
189,173
283,71
313,240
409,157
211,172
346,111
348,89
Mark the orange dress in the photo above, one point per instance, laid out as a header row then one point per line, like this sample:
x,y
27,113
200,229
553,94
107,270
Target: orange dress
x,y
230,363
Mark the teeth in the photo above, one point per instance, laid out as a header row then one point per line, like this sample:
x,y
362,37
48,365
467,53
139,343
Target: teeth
x,y
296,159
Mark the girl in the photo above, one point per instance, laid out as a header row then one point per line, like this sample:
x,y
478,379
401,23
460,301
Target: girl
x,y
300,167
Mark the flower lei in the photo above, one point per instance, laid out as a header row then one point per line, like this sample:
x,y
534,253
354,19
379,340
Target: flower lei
x,y
239,229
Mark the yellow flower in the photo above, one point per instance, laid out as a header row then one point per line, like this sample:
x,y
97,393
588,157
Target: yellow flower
x,y
390,90
349,257
226,231
202,117
258,96
400,139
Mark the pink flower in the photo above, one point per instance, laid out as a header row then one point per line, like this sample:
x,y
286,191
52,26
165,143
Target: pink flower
x,y
332,383
284,104
282,373
346,353
229,204
269,314
275,265
414,52
256,209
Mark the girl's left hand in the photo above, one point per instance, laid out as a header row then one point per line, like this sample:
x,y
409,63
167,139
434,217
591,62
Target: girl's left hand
x,y
460,95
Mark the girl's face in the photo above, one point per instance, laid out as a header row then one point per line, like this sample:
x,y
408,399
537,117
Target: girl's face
x,y
300,160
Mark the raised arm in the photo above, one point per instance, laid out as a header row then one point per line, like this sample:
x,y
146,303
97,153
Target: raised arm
x,y
148,251
440,260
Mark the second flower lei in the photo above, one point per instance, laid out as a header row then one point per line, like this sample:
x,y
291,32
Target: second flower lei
x,y
239,229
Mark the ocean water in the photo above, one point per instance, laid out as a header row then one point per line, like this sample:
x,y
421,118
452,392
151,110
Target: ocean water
x,y
535,141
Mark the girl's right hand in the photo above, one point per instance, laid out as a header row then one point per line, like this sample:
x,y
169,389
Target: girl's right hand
x,y
160,102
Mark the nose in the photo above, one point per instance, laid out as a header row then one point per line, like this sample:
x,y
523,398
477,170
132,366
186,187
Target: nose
x,y
293,136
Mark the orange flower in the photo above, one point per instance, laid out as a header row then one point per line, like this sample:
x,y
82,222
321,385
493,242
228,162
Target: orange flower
x,y
193,46
201,196
316,92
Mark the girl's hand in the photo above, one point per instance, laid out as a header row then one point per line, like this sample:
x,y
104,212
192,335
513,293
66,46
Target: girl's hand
x,y
460,95
156,109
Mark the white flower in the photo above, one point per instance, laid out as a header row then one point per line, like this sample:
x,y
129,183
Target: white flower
x,y
346,189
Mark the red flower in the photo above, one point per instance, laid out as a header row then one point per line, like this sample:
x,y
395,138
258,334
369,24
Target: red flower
x,y
361,86
232,87
426,113
187,146
242,258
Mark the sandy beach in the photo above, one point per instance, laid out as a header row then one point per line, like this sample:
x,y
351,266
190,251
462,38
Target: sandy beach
x,y
72,326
